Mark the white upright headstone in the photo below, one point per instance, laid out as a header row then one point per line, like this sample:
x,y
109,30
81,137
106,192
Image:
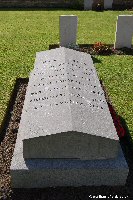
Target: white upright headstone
x,y
68,30
88,4
124,31
108,4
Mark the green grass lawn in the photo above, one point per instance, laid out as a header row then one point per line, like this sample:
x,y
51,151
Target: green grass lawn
x,y
23,33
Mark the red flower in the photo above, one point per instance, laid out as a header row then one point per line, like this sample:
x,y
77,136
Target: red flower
x,y
116,119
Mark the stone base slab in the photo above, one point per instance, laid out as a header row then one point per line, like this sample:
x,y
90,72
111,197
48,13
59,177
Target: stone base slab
x,y
41,173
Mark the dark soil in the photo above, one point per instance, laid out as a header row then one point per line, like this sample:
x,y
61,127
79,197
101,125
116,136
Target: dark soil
x,y
123,6
8,137
89,48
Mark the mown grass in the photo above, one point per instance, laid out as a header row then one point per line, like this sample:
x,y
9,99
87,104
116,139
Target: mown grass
x,y
25,32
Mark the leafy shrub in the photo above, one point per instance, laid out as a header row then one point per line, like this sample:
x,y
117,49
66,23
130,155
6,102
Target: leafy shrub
x,y
78,4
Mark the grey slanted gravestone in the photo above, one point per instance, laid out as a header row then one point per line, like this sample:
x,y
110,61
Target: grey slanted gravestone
x,y
66,135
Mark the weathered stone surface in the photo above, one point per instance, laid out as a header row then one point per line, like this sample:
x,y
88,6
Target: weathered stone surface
x,y
124,31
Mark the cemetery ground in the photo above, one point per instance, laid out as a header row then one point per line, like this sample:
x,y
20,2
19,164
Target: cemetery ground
x,y
23,33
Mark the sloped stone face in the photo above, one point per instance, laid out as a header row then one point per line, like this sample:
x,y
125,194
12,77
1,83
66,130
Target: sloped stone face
x,y
64,95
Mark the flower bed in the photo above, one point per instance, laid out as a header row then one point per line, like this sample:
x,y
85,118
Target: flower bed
x,y
98,48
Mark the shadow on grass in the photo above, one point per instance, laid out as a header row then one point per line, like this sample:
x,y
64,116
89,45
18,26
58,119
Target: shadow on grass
x,y
95,60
